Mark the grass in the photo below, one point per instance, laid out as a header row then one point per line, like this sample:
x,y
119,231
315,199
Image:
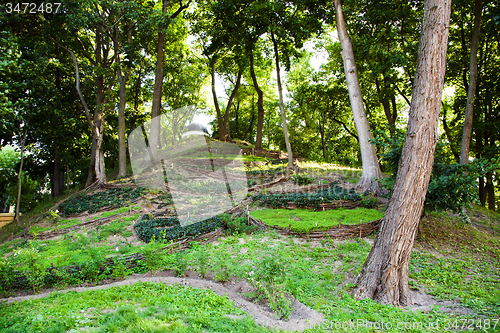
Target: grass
x,y
304,220
142,307
318,274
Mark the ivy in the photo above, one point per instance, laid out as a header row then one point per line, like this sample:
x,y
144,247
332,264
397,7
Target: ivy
x,y
95,202
314,199
170,229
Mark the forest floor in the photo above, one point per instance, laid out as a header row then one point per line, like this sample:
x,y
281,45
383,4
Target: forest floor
x,y
454,273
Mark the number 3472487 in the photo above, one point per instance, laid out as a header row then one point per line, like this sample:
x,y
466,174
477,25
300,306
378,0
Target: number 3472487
x,y
32,8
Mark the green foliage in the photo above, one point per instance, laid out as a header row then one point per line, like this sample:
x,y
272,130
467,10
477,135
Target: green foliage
x,y
113,228
240,225
92,203
270,280
154,260
93,269
166,229
180,264
301,179
202,259
452,186
7,275
120,271
34,268
142,307
313,199
302,220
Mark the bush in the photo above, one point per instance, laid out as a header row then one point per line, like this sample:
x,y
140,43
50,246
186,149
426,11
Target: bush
x,y
452,186
240,225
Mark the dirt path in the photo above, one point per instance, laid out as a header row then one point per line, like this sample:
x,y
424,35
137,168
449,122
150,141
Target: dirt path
x,y
301,318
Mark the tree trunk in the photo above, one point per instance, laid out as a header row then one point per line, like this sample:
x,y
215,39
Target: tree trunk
x,y
371,168
122,79
227,134
57,186
260,104
471,92
98,124
490,190
220,120
282,106
19,177
160,61
384,276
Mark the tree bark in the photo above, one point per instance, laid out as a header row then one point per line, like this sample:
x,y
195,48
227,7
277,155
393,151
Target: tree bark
x,y
19,177
260,104
220,120
122,79
490,190
384,276
282,106
471,92
227,134
371,168
160,61
57,185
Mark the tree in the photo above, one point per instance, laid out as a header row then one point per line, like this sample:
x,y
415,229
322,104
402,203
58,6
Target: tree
x,y
371,168
471,92
384,276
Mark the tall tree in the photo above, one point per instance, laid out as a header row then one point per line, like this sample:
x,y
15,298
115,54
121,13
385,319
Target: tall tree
x,y
384,276
160,53
371,168
471,92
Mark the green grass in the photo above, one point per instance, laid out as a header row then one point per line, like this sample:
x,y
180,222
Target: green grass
x,y
304,220
142,307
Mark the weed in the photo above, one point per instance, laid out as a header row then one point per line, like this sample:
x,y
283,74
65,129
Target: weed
x,y
34,269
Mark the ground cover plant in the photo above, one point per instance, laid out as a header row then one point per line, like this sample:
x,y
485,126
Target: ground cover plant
x,y
317,273
304,220
142,307
92,203
309,199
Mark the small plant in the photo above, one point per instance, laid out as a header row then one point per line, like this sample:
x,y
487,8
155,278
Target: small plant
x,y
52,216
91,269
153,260
180,264
120,271
202,259
6,275
270,280
34,269
369,201
221,265
302,179
240,225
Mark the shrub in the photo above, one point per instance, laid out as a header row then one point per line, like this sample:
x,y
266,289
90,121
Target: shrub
x,y
270,280
240,225
452,186
34,270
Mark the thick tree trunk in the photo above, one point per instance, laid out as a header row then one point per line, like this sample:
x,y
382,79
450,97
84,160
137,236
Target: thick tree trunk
x,y
260,104
160,61
282,106
98,124
371,168
471,92
384,276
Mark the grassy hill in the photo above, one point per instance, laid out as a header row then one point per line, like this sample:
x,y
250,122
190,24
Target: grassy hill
x,y
232,281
